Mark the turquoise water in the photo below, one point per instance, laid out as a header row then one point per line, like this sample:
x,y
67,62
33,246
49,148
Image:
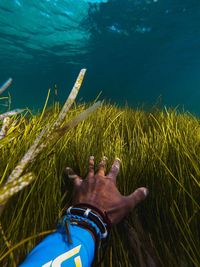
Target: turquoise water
x,y
134,51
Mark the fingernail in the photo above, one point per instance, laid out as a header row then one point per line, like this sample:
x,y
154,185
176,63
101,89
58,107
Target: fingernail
x,y
67,169
91,157
105,158
145,191
118,159
72,176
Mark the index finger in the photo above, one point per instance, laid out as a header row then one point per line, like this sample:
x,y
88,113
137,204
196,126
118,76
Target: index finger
x,y
91,169
77,180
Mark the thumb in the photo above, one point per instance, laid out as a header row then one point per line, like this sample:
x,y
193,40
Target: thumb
x,y
137,196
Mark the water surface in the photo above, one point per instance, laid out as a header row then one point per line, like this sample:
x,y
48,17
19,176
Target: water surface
x,y
134,50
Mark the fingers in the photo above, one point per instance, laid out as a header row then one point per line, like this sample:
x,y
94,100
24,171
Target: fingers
x,y
114,169
102,166
91,168
77,180
137,196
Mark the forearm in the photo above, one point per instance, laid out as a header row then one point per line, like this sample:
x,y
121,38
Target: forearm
x,y
81,229
56,249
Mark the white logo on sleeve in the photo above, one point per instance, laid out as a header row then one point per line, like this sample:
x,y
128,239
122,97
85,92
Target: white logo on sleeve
x,y
64,257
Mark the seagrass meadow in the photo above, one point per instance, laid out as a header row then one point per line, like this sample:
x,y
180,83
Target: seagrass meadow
x,y
159,149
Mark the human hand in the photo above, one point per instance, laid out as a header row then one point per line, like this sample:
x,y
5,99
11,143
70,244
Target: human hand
x,y
100,190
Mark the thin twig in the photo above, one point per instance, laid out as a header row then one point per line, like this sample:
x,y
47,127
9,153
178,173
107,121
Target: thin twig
x,y
5,85
13,187
71,98
17,172
11,113
5,127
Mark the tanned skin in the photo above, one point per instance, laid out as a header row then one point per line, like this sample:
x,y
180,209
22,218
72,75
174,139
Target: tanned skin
x,y
100,191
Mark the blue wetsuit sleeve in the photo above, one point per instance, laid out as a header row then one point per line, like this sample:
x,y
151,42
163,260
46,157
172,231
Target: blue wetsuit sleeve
x,y
55,251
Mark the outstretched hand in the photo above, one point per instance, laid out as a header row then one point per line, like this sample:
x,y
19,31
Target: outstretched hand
x,y
100,191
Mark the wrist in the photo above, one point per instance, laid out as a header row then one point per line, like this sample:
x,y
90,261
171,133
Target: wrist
x,y
86,210
91,219
87,216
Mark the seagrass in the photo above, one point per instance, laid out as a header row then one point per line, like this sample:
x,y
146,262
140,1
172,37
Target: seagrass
x,y
159,149
16,182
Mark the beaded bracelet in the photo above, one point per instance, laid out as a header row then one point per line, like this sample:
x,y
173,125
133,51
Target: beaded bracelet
x,y
88,217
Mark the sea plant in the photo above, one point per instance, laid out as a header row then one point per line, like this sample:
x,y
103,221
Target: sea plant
x,y
159,149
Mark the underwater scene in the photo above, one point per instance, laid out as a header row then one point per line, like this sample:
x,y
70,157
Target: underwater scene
x,y
99,112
